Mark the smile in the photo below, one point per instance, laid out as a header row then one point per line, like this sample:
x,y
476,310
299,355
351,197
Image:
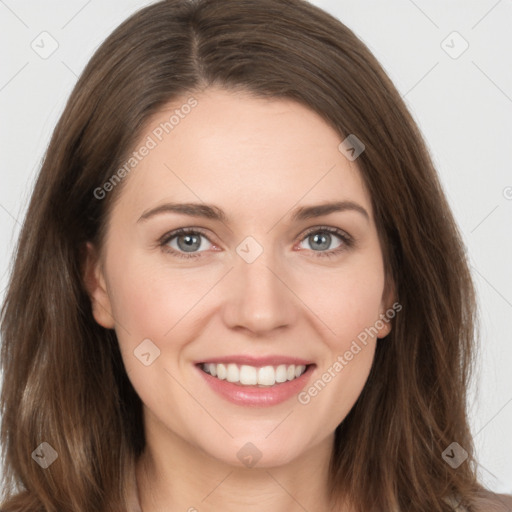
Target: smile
x,y
256,395
245,375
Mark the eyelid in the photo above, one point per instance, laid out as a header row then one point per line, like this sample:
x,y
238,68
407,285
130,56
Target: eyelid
x,y
330,229
165,238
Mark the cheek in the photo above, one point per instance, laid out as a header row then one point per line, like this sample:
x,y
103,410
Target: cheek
x,y
147,303
346,301
148,299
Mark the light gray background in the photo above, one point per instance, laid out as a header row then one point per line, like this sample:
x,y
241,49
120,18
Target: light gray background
x,y
463,106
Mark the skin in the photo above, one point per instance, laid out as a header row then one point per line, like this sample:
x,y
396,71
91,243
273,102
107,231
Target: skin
x,y
258,160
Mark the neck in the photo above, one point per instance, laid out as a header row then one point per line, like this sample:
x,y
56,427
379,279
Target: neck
x,y
180,476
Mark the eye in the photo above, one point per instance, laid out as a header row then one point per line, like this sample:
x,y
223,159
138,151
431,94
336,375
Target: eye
x,y
187,242
320,238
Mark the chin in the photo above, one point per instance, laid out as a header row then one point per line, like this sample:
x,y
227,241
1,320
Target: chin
x,y
257,454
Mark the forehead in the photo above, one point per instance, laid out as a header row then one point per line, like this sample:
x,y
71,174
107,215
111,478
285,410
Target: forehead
x,y
243,153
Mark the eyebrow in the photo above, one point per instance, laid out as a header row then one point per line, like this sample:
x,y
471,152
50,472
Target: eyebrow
x,y
213,212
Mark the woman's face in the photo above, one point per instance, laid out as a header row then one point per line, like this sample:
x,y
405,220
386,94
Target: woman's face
x,y
264,287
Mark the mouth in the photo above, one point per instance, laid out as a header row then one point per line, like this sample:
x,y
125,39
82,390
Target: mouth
x,y
254,376
248,385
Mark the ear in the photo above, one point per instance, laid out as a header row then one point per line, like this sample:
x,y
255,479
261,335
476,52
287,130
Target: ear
x,y
387,310
95,285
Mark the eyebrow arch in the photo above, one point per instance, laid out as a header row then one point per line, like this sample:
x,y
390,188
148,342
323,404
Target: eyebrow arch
x,y
213,212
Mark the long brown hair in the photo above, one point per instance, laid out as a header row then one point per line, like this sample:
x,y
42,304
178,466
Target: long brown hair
x,y
63,379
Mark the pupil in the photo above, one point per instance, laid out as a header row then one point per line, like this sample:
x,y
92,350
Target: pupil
x,y
325,244
189,241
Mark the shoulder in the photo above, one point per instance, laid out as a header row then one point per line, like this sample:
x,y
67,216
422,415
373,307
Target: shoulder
x,y
494,503
486,501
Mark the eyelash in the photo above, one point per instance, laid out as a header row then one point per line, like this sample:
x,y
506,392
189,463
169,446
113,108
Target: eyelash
x,y
348,241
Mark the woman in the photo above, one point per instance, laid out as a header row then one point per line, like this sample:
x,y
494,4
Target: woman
x,y
173,339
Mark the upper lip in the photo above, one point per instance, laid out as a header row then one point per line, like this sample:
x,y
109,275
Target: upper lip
x,y
257,361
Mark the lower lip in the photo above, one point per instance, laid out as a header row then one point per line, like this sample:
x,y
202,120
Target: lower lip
x,y
254,395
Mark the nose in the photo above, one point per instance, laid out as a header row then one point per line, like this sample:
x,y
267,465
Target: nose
x,y
258,297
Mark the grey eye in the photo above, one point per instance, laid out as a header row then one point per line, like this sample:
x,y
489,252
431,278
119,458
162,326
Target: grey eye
x,y
188,242
321,240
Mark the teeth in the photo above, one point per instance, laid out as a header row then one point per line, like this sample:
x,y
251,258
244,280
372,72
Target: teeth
x,y
281,373
248,375
221,371
251,376
233,373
